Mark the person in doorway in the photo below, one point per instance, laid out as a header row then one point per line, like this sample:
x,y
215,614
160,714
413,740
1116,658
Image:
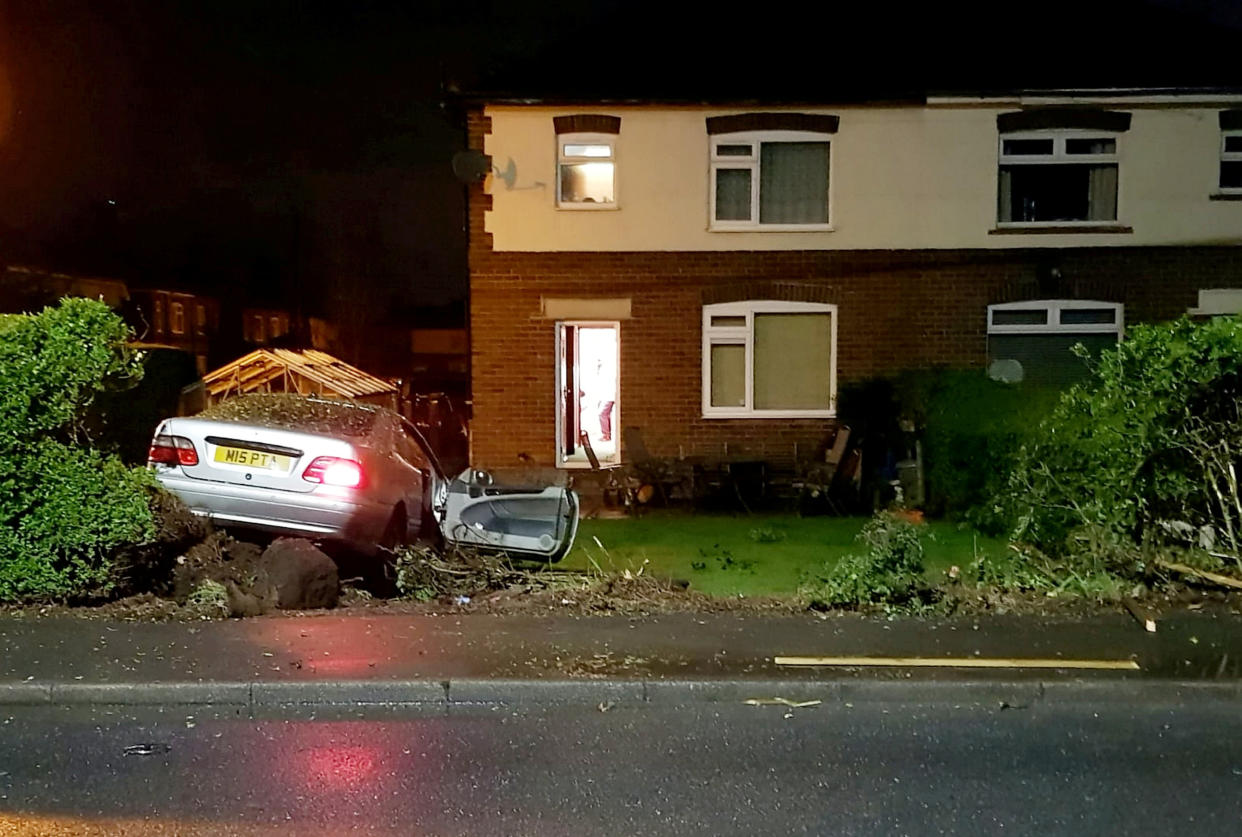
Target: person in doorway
x,y
606,397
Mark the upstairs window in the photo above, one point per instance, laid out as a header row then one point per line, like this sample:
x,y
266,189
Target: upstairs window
x,y
770,180
1231,162
176,317
586,171
769,359
1057,177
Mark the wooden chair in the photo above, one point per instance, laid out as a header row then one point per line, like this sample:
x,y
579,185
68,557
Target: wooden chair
x,y
665,474
815,479
613,484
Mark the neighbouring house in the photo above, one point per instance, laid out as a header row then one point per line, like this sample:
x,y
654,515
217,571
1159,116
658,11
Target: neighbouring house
x,y
25,288
261,326
439,359
714,273
175,318
308,372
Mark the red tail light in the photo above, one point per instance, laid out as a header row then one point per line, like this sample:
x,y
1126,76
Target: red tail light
x,y
332,470
172,450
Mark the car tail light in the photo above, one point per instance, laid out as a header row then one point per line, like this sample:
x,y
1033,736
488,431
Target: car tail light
x,y
332,470
172,450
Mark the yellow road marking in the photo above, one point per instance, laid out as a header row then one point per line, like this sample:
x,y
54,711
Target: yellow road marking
x,y
959,662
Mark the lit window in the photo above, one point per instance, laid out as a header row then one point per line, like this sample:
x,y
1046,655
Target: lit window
x,y
586,171
772,179
176,318
200,319
157,314
1231,161
769,359
1057,177
1034,341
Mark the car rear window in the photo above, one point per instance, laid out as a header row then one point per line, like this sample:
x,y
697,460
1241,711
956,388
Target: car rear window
x,y
295,412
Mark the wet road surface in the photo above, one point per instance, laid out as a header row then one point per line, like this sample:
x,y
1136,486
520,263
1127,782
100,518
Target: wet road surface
x,y
293,648
576,770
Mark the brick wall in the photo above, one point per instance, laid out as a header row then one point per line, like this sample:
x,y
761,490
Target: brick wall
x,y
896,309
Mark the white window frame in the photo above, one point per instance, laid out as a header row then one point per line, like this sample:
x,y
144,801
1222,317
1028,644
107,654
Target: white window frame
x,y
1228,157
1059,136
744,336
755,139
1053,325
563,140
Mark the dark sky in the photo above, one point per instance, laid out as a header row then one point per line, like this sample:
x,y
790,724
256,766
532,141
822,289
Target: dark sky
x,y
295,150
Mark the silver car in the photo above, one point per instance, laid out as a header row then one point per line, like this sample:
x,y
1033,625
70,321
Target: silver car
x,y
346,471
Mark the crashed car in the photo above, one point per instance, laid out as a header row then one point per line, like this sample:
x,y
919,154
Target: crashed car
x,y
346,471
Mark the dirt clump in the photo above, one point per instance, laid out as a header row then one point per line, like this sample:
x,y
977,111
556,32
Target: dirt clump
x,y
297,575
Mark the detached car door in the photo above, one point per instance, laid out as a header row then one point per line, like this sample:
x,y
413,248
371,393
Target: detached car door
x,y
536,523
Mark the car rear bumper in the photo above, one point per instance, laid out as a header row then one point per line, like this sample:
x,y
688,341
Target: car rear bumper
x,y
282,512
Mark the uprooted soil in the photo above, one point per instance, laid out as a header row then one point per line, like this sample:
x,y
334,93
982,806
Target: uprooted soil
x,y
471,582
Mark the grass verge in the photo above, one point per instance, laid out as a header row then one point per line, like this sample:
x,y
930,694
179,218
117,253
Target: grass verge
x,y
756,555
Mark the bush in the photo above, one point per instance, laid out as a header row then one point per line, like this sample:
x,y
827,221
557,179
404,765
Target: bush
x,y
1146,448
66,508
889,573
971,429
974,428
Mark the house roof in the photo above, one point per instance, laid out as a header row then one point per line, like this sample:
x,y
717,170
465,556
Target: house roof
x,y
284,370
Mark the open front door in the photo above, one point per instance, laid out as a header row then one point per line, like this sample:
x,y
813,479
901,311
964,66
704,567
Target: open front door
x,y
588,405
570,390
536,523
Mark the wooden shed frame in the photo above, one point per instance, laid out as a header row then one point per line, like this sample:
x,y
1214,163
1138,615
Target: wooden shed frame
x,y
307,372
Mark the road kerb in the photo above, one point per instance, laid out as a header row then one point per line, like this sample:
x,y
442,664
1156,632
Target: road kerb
x,y
25,694
737,691
352,692
152,694
482,691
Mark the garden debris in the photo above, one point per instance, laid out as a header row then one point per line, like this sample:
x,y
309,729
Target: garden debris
x,y
1227,581
780,701
288,411
1144,618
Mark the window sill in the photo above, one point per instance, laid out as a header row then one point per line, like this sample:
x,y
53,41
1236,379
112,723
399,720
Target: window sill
x,y
1225,196
1063,229
769,228
773,414
587,207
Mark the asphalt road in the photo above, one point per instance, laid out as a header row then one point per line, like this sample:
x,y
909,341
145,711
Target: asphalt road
x,y
718,769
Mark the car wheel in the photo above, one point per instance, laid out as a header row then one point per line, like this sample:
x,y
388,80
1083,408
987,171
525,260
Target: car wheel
x,y
395,532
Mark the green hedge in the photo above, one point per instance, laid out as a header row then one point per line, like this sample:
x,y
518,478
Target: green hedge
x,y
1145,449
66,508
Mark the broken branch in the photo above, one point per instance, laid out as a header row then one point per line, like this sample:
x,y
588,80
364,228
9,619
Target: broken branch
x,y
1204,574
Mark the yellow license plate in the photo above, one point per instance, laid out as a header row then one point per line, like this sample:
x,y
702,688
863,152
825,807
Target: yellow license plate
x,y
252,459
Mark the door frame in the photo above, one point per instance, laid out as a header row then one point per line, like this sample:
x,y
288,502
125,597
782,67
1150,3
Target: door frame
x,y
558,385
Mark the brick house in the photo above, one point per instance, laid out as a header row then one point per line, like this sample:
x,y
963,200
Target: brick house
x,y
176,318
722,270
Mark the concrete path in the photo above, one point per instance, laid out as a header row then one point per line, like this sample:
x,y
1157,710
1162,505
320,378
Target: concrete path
x,y
335,658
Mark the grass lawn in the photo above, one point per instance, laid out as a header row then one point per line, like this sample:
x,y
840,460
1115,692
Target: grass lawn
x,y
754,555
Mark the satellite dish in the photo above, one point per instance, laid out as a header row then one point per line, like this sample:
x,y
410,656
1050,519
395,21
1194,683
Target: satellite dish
x,y
472,166
1007,371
